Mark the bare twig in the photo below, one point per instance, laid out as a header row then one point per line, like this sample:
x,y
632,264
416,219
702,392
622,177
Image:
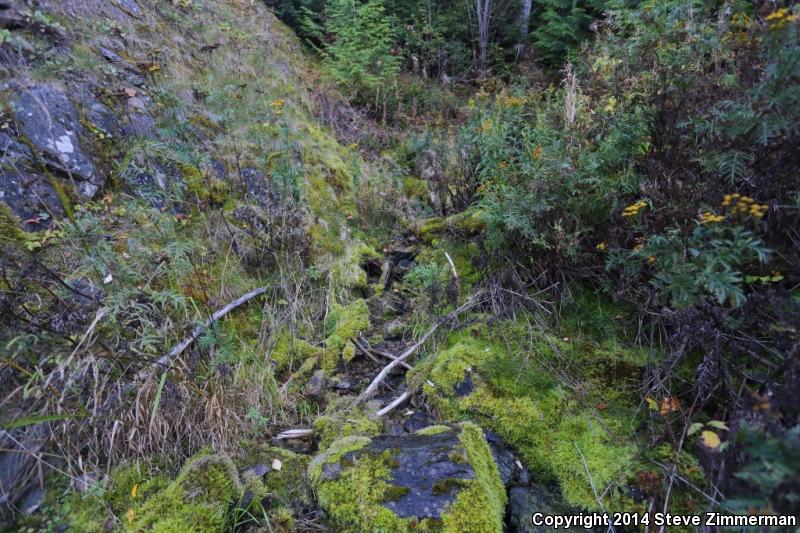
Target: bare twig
x,y
393,405
591,483
370,351
373,387
298,433
177,350
452,265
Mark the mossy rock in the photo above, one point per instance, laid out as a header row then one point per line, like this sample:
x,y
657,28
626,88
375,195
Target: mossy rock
x,y
554,429
467,223
10,227
199,499
339,421
343,324
409,483
284,488
128,487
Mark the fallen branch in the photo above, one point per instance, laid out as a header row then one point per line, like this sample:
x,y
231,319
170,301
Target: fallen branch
x,y
370,351
391,407
373,387
295,434
452,265
198,330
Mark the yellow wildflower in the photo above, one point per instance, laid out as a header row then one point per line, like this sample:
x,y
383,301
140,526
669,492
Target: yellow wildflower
x,y
780,19
601,246
634,209
710,218
277,105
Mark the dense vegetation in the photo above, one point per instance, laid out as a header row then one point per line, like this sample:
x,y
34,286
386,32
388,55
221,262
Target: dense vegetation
x,y
589,209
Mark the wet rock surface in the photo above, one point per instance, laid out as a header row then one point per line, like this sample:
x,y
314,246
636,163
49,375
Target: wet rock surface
x,y
524,501
50,124
425,466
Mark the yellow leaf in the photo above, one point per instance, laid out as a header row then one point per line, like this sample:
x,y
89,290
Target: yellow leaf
x,y
131,514
669,405
134,490
710,439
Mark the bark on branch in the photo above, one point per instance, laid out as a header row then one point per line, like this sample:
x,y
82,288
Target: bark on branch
x,y
373,387
198,330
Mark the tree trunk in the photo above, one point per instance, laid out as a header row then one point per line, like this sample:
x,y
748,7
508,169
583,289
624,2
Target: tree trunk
x,y
524,24
483,9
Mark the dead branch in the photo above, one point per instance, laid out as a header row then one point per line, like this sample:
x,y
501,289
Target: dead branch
x,y
452,265
373,387
370,351
394,403
198,330
298,433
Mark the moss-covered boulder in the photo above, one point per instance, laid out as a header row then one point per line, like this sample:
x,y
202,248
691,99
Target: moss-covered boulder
x,y
343,324
199,499
440,479
560,434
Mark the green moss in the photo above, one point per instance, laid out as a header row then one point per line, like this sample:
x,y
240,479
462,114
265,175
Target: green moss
x,y
353,496
89,512
481,506
348,352
546,422
204,188
467,223
290,351
287,486
433,430
415,189
448,485
282,520
346,273
343,323
10,232
333,453
394,492
339,421
430,229
197,500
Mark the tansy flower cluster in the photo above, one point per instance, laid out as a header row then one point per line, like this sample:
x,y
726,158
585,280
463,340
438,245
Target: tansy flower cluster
x,y
710,218
737,204
634,209
511,101
277,105
781,18
601,246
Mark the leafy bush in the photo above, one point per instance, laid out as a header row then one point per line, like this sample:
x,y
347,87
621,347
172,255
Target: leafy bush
x,y
770,473
708,260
